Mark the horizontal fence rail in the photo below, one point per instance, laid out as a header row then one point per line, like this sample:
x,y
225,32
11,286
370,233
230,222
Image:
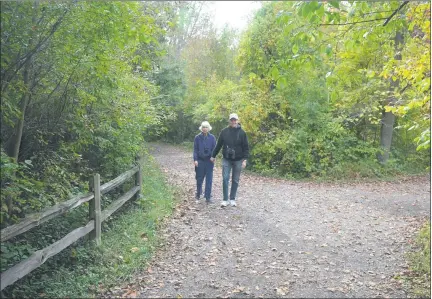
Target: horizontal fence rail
x,y
37,219
39,257
93,227
105,188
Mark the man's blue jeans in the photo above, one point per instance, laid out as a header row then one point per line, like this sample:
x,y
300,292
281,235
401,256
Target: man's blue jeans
x,y
204,170
236,167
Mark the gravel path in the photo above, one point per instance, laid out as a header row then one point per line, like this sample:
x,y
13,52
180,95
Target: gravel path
x,y
284,239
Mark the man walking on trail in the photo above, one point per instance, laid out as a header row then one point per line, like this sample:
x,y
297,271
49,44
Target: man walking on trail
x,y
235,151
204,145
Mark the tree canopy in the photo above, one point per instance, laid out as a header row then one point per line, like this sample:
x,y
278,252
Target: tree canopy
x,y
322,88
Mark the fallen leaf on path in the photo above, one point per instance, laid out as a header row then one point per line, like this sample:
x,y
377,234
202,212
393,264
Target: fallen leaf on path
x,y
130,294
238,290
282,291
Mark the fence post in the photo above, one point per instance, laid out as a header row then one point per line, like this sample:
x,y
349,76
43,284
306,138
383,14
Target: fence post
x,y
97,210
92,234
138,176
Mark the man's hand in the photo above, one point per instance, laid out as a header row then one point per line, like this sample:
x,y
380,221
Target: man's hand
x,y
244,164
196,163
212,159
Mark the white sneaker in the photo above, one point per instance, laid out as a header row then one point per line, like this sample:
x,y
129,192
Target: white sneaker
x,y
233,203
224,203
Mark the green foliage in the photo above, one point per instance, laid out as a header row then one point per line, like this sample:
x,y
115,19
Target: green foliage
x,y
414,74
313,127
311,96
24,191
421,259
170,78
198,56
213,100
420,263
90,101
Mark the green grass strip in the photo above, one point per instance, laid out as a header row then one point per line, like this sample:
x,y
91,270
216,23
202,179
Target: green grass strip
x,y
420,264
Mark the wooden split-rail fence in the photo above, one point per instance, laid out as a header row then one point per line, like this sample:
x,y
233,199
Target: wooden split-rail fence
x,y
93,227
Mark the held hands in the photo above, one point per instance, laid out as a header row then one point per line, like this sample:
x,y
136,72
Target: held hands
x,y
244,164
196,163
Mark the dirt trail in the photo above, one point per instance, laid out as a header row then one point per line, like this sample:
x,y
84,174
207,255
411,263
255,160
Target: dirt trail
x,y
284,239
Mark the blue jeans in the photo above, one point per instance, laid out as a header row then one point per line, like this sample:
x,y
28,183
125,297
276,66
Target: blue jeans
x,y
204,170
236,167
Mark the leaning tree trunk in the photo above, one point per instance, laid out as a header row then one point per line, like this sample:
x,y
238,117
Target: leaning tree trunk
x,y
388,118
14,142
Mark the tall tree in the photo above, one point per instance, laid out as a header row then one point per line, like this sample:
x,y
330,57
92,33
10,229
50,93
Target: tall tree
x,y
75,95
388,118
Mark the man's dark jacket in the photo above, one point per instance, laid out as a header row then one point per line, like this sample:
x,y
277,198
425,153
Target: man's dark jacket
x,y
233,138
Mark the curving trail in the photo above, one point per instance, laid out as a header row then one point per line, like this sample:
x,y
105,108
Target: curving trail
x,y
284,239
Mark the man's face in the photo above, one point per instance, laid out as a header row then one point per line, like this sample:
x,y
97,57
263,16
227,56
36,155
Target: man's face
x,y
233,122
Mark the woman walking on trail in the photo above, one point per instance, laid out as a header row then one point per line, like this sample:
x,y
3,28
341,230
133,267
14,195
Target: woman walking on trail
x,y
204,145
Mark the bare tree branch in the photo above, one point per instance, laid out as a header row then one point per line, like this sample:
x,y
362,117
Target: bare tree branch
x,y
395,12
375,12
18,66
372,20
352,23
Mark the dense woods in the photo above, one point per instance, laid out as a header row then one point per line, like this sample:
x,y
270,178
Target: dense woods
x,y
324,89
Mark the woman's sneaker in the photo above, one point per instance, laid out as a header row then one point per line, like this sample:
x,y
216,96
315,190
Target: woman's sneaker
x,y
233,203
224,203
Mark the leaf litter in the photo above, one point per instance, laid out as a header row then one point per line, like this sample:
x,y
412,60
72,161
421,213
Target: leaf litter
x,y
285,238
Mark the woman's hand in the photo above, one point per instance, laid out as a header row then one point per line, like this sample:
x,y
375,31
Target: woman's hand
x,y
244,164
196,163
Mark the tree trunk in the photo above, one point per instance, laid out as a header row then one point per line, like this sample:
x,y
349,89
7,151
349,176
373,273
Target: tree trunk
x,y
387,122
14,141
388,118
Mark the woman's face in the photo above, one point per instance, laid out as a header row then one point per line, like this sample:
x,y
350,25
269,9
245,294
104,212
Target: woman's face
x,y
205,130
